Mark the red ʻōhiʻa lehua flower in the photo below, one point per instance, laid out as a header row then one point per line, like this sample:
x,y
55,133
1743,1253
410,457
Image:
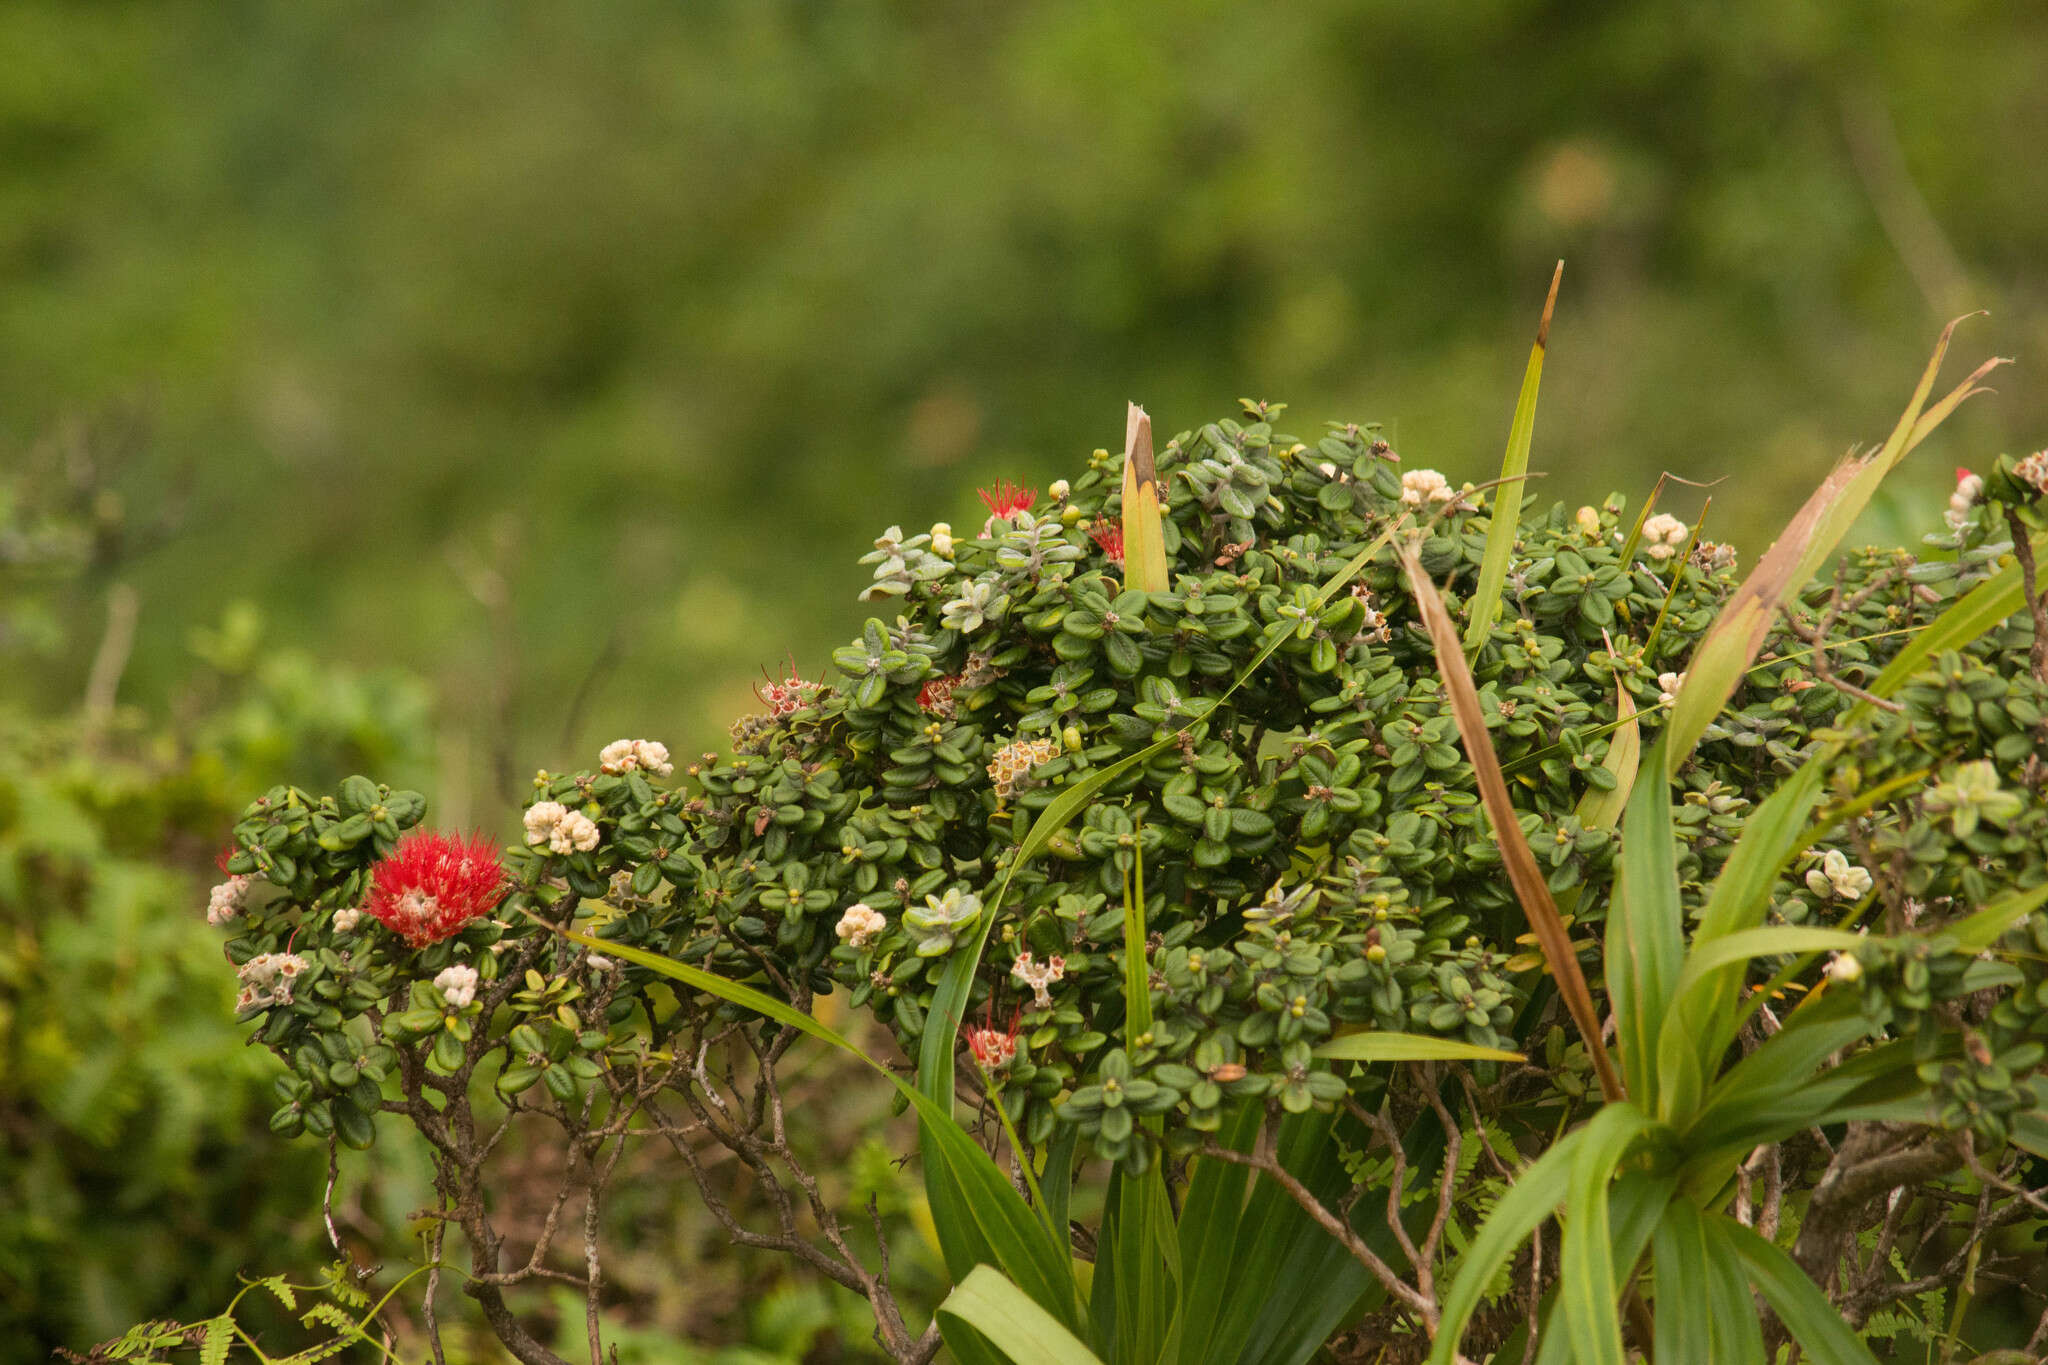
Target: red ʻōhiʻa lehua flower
x,y
1110,540
1007,498
433,884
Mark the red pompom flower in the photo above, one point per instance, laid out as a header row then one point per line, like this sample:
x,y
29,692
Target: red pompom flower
x,y
1109,538
1007,498
433,884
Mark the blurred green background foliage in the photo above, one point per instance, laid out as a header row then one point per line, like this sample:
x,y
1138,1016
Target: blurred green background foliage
x,y
640,322
459,387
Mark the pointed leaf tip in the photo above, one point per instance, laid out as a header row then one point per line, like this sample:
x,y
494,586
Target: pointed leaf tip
x,y
1138,444
1145,566
1549,306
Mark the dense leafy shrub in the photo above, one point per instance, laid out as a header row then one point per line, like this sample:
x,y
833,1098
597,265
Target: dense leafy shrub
x,y
1305,854
1315,855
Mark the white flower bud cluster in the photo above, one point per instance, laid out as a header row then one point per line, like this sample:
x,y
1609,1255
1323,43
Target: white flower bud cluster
x,y
1419,486
1668,685
1664,536
1059,489
624,755
942,539
457,985
347,918
225,901
860,925
267,979
561,829
1837,876
1038,976
1969,488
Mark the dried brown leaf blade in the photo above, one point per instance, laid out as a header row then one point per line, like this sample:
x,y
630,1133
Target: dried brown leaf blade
x,y
1731,644
1523,872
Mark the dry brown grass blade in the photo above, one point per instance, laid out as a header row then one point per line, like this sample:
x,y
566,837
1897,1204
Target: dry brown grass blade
x,y
1725,653
1523,872
1737,634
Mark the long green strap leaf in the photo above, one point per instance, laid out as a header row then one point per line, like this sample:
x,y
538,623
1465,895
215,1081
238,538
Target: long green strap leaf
x,y
1137,973
1985,927
1645,933
1528,1201
1778,940
1209,1219
1285,1263
1740,1336
1636,1210
1800,1304
1484,606
1589,1297
1144,1255
1704,1011
1007,1318
1687,1331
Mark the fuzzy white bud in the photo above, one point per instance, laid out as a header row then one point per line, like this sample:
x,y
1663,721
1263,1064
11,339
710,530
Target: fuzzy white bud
x,y
860,925
457,985
1419,486
225,901
1664,536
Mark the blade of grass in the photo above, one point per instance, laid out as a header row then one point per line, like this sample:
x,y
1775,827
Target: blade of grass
x,y
1282,1254
1313,1280
1981,930
1375,1046
1778,940
1677,578
1145,567
1056,1183
1601,808
1635,532
1137,976
1138,1261
1507,498
1523,872
1703,1012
